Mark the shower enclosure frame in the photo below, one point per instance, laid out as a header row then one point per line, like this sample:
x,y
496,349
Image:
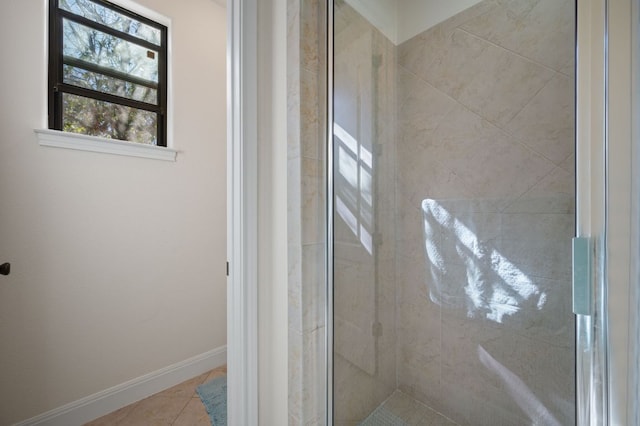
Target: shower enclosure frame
x,y
329,190
602,338
622,231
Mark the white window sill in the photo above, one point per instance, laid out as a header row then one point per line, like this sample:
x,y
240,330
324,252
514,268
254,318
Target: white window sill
x,y
58,139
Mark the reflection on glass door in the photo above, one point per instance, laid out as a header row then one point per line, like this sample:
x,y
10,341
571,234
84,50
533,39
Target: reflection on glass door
x,y
453,148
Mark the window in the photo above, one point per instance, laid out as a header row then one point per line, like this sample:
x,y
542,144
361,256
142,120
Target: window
x,y
107,72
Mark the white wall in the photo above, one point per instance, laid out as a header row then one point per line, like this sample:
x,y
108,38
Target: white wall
x,y
118,262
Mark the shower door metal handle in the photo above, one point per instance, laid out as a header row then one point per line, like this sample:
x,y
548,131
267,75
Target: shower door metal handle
x,y
581,275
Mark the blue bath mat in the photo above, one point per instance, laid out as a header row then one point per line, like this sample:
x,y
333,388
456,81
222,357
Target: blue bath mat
x,y
213,395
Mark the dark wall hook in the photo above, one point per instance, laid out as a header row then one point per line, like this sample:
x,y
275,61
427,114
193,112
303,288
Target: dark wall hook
x,y
5,268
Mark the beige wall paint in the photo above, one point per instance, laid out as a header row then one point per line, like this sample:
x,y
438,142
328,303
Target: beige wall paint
x,y
118,262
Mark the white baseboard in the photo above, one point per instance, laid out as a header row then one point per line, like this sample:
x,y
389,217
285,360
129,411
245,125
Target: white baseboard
x,y
93,406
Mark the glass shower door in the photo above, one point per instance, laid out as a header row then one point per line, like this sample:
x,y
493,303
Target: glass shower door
x,y
363,244
453,213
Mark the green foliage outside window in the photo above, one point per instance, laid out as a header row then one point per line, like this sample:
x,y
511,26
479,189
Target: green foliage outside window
x,y
110,63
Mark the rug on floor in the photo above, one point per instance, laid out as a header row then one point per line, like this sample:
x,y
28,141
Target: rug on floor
x,y
213,395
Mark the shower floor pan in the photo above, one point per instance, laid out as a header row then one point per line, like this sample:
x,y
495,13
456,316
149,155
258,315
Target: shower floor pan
x,y
400,410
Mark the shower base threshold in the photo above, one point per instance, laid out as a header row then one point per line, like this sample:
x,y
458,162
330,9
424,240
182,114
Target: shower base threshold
x,y
400,409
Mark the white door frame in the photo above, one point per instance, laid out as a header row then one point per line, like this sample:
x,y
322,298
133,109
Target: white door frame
x,y
242,217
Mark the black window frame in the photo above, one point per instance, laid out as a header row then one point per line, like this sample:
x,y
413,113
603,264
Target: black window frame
x,y
57,86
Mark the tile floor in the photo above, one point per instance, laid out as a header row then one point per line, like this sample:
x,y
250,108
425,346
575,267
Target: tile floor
x,y
176,406
400,410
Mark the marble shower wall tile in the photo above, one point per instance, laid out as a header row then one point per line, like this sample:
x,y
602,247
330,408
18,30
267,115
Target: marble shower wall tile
x,y
409,221
538,244
569,164
310,32
421,107
503,373
346,18
538,377
487,79
294,204
293,80
542,31
569,68
294,292
310,112
546,123
387,318
296,375
356,393
313,215
555,193
294,214
451,67
306,215
412,268
314,384
313,291
355,306
495,155
503,84
306,377
418,332
460,364
552,322
419,51
418,322
425,176
294,150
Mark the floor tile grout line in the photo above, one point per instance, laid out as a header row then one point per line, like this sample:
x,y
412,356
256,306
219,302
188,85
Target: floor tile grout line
x,y
194,394
181,411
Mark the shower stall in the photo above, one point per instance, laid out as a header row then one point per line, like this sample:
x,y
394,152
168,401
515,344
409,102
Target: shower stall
x,y
452,208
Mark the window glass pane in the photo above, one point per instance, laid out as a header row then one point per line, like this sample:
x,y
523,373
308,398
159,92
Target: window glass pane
x,y
105,84
99,118
111,18
98,48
